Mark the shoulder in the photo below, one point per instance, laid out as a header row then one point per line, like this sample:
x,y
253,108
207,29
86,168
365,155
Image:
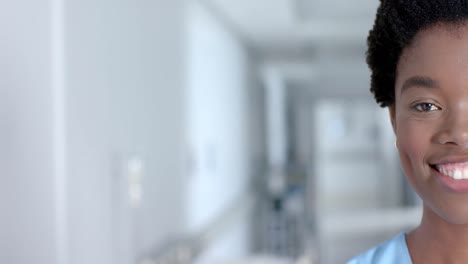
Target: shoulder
x,y
391,251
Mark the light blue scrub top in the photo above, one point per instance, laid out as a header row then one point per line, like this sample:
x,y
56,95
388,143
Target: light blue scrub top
x,y
392,251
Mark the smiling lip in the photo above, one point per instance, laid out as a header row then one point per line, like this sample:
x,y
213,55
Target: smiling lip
x,y
452,174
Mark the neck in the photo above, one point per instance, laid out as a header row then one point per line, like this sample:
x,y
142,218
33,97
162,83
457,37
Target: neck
x,y
437,241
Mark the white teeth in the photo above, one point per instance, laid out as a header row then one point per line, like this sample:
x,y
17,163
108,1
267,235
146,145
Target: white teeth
x,y
444,171
456,174
456,171
465,173
450,173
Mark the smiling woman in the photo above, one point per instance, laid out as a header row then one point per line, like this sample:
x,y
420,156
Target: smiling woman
x,y
418,57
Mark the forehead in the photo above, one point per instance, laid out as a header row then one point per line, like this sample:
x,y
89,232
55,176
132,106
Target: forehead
x,y
439,52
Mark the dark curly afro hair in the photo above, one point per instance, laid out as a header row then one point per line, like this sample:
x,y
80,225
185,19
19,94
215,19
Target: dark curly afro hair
x,y
396,24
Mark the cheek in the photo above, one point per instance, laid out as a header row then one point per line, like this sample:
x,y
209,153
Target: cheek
x,y
413,143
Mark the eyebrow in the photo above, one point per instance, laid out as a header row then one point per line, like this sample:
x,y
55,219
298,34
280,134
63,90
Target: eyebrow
x,y
419,81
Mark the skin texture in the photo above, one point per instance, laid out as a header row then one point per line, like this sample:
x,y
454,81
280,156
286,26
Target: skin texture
x,y
430,120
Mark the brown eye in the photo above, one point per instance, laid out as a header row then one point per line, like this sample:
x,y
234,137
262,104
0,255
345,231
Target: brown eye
x,y
425,107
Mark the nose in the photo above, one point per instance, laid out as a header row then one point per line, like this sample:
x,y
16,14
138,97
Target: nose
x,y
454,130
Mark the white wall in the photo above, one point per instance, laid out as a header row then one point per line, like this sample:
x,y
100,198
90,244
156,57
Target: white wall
x,y
124,95
26,166
124,78
218,123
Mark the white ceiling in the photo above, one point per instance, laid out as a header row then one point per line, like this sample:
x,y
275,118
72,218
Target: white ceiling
x,y
309,41
295,23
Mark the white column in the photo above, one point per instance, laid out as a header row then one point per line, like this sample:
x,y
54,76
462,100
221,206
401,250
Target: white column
x,y
58,129
276,128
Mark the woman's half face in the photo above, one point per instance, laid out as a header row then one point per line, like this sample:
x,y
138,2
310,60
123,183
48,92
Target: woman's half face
x,y
430,119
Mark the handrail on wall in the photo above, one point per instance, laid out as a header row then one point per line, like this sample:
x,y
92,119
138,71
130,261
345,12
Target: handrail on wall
x,y
185,250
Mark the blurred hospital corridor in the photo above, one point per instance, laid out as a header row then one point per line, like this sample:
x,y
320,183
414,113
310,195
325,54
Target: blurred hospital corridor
x,y
193,131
